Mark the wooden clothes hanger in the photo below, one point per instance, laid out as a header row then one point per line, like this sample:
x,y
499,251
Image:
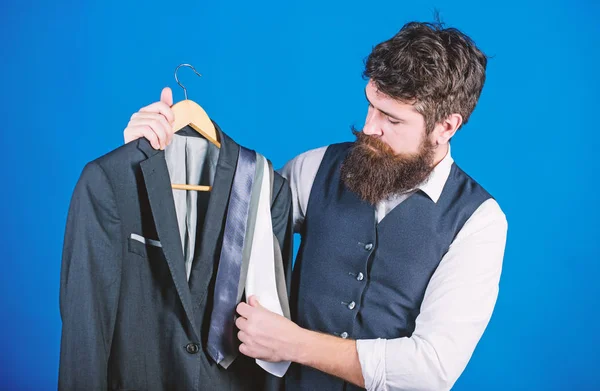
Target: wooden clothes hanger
x,y
189,113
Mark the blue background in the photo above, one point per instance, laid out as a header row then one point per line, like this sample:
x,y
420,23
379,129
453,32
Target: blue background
x,y
285,77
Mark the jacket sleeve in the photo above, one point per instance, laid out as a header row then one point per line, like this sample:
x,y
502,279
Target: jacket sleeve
x,y
89,282
282,218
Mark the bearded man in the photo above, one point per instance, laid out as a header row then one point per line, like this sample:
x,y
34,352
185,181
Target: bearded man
x,y
398,270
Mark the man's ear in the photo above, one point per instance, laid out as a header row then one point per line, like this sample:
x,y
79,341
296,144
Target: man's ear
x,y
446,129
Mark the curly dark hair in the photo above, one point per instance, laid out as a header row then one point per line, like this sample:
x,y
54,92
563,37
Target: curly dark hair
x,y
438,70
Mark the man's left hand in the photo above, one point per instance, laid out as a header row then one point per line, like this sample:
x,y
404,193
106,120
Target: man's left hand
x,y
266,335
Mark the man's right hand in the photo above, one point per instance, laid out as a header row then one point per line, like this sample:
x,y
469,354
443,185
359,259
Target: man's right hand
x,y
154,122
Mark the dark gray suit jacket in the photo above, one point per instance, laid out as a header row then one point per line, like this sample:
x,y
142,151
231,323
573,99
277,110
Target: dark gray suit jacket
x,y
131,320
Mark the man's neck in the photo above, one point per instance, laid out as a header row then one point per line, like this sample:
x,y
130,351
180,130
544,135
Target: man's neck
x,y
440,153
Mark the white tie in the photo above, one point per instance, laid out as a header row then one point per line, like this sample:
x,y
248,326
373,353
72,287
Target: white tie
x,y
261,280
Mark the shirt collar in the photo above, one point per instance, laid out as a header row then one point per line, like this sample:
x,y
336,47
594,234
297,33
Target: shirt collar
x,y
434,184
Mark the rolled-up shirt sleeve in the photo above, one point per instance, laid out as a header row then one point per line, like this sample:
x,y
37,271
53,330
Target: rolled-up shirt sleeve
x,y
455,311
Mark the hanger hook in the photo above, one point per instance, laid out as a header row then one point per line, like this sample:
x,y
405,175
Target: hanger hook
x,y
177,80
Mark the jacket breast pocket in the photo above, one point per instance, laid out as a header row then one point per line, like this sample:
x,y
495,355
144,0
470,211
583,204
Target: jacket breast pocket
x,y
144,247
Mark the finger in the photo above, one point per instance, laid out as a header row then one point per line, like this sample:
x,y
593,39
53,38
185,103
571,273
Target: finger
x,y
155,125
243,337
166,96
156,117
153,116
129,134
135,132
161,108
241,323
253,301
244,309
245,350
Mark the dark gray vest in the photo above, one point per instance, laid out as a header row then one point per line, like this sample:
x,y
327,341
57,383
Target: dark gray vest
x,y
358,279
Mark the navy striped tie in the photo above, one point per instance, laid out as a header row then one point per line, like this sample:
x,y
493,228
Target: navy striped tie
x,y
221,342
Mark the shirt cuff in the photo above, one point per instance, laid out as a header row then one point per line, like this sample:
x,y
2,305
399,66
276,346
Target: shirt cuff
x,y
371,354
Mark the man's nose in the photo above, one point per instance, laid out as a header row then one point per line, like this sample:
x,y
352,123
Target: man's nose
x,y
372,127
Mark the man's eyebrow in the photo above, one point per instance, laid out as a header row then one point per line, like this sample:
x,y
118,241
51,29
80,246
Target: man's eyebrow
x,y
388,114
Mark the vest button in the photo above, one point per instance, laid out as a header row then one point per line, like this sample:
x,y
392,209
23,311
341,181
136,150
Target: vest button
x,y
192,348
369,246
360,276
351,305
344,335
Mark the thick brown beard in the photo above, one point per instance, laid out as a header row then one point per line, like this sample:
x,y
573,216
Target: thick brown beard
x,y
374,171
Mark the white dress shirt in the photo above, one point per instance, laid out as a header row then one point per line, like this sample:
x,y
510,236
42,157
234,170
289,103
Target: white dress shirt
x,y
458,301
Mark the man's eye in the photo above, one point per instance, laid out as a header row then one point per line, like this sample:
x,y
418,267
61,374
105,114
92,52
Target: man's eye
x,y
393,122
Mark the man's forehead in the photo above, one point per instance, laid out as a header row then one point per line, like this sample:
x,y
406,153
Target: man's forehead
x,y
372,92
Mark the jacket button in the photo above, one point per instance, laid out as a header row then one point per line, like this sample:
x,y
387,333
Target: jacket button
x,y
369,246
344,335
351,305
360,276
192,348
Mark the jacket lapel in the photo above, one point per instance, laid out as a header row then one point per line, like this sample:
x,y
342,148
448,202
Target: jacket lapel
x,y
158,186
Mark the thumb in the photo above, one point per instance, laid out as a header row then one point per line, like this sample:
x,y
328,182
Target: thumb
x,y
166,96
253,301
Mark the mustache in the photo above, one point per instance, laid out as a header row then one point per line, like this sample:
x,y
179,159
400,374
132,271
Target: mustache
x,y
378,147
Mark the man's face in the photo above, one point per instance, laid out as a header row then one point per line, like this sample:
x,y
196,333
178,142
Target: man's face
x,y
396,124
392,154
